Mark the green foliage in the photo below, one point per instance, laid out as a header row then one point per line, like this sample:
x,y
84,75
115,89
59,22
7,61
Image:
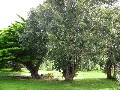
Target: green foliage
x,y
9,43
110,33
34,38
76,30
47,65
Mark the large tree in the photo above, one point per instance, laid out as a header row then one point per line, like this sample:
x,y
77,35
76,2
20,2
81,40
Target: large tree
x,y
73,26
106,27
34,42
9,45
111,33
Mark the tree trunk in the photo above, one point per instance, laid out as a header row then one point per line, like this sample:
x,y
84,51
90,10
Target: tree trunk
x,y
108,69
114,72
33,69
69,73
34,73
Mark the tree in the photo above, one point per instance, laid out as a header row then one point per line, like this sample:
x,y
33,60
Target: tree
x,y
69,28
9,45
113,42
34,42
107,35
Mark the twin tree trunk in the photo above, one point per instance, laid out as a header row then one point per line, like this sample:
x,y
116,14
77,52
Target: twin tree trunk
x,y
109,68
69,72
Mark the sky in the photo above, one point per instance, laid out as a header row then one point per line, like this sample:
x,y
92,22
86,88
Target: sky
x,y
9,9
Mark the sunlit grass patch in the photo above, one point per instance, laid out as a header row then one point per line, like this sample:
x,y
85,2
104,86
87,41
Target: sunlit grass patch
x,y
90,74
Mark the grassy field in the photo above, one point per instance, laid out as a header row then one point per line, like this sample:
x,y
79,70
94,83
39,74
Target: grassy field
x,y
84,81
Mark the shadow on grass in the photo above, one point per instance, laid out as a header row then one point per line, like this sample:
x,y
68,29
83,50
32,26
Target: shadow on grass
x,y
31,84
9,72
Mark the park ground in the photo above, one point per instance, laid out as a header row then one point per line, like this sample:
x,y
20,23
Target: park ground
x,y
92,80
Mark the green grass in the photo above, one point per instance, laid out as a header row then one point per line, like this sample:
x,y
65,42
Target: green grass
x,y
84,81
90,74
83,84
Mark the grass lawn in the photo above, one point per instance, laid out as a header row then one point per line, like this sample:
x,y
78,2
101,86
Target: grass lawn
x,y
84,81
83,84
